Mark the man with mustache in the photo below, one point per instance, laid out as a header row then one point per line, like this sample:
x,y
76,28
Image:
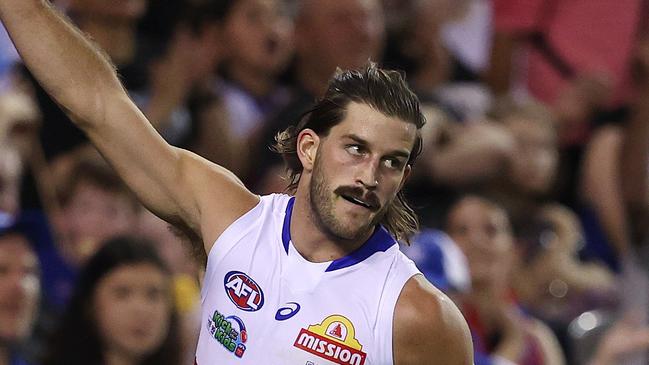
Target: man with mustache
x,y
314,278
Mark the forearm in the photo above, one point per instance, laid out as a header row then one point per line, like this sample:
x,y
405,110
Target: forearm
x,y
66,64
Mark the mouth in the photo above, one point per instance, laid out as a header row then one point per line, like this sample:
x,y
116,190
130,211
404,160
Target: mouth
x,y
359,202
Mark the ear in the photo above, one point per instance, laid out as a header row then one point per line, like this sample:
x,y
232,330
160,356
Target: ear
x,y
308,142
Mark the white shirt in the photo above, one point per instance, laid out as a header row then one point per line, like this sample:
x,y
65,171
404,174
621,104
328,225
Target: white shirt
x,y
263,303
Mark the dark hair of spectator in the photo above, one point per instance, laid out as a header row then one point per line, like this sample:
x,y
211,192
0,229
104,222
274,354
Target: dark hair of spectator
x,y
77,341
97,173
384,90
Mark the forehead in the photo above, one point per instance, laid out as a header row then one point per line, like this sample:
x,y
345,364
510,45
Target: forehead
x,y
376,128
476,210
139,273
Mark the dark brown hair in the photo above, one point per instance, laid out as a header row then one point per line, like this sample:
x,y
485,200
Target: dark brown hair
x,y
385,91
93,170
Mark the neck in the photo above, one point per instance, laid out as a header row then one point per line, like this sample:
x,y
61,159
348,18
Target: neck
x,y
119,358
312,240
528,288
259,84
116,38
489,306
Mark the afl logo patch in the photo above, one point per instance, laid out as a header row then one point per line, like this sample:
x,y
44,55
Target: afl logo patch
x,y
243,291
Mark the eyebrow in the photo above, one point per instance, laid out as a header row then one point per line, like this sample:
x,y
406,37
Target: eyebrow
x,y
361,141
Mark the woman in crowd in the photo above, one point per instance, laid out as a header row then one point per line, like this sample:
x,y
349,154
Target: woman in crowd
x,y
121,312
500,328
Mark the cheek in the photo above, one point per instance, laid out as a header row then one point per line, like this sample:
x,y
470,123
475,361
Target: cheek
x,y
160,309
110,320
162,315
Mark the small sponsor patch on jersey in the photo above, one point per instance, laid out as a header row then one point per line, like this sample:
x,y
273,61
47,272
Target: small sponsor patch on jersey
x,y
243,291
287,311
333,339
229,331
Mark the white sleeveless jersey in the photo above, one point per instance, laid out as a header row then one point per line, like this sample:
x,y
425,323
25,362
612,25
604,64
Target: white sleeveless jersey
x,y
264,304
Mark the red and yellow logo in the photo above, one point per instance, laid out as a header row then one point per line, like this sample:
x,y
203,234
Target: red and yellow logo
x,y
334,339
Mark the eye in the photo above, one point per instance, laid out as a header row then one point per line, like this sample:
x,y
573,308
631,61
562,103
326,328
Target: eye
x,y
393,163
354,149
121,292
154,293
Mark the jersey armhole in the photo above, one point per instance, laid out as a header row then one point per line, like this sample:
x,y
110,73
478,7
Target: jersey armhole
x,y
403,270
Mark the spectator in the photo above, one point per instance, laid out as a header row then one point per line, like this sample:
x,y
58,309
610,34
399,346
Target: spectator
x,y
95,206
435,73
550,280
186,268
121,311
19,124
328,34
500,328
577,62
19,291
257,39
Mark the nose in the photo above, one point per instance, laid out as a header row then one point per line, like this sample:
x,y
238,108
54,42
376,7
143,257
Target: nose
x,y
477,238
368,175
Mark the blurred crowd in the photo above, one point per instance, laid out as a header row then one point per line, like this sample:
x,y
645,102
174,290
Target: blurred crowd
x,y
532,188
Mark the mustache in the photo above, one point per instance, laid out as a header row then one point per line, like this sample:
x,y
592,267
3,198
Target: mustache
x,y
359,193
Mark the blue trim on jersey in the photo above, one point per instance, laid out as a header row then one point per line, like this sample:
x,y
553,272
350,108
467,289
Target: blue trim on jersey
x,y
380,240
286,228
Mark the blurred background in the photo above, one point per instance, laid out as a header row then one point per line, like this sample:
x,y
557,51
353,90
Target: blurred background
x,y
532,189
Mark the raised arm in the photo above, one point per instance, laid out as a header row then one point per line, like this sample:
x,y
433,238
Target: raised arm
x,y
177,185
428,328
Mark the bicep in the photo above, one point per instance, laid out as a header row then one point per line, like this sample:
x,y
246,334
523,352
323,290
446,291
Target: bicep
x,y
177,185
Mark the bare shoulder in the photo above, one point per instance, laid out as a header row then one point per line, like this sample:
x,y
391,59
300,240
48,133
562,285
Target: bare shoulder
x,y
428,327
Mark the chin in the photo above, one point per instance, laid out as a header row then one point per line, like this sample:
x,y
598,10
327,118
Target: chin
x,y
352,232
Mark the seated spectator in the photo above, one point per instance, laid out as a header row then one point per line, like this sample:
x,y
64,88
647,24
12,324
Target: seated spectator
x,y
19,291
418,47
95,206
550,280
186,264
121,311
500,328
328,34
256,37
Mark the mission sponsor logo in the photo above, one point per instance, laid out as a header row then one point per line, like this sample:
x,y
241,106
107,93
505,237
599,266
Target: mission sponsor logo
x,y
334,339
228,331
243,291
